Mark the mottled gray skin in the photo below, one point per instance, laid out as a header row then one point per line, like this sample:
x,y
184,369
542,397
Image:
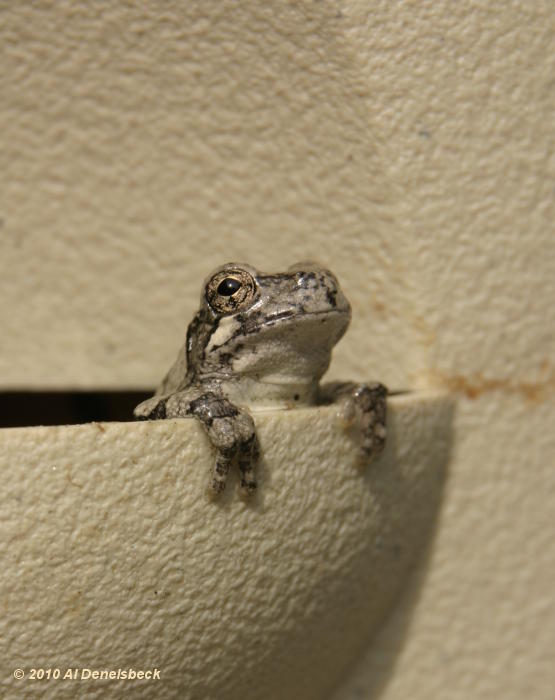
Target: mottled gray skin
x,y
262,341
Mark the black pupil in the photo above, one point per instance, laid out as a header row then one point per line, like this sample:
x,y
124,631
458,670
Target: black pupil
x,y
228,286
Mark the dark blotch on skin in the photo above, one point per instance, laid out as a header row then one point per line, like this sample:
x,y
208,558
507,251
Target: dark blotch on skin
x,y
209,406
306,278
225,358
246,446
159,412
331,294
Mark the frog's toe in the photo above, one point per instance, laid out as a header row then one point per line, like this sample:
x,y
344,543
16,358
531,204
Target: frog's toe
x,y
373,440
151,409
248,487
219,475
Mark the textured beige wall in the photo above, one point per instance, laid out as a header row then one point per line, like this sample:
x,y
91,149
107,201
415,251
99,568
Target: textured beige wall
x,y
410,146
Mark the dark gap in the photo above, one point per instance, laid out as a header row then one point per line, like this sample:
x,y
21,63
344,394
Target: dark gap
x,y
22,408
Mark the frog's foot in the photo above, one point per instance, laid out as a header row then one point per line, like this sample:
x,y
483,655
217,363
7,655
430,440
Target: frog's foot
x,y
370,401
364,405
151,409
232,433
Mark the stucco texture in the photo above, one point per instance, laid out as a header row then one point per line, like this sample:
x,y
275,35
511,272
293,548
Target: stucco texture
x,y
117,559
410,147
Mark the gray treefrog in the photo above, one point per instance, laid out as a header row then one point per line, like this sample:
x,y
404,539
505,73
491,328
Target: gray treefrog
x,y
262,341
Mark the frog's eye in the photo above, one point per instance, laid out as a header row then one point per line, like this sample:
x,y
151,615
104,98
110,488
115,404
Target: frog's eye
x,y
228,287
230,291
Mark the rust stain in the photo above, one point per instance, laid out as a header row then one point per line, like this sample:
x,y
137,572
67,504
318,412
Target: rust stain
x,y
75,603
426,334
99,426
379,307
475,386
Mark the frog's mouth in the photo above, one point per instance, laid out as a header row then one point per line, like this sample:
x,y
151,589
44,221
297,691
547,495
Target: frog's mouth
x,y
322,328
286,347
276,318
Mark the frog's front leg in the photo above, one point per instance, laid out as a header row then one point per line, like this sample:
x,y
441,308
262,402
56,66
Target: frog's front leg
x,y
367,405
233,434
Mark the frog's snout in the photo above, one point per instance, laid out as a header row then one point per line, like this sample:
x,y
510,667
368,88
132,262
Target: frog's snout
x,y
311,275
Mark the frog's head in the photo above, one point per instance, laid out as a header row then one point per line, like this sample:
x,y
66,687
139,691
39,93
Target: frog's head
x,y
273,328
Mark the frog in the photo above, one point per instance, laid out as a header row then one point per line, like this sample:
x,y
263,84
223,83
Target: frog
x,y
263,341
